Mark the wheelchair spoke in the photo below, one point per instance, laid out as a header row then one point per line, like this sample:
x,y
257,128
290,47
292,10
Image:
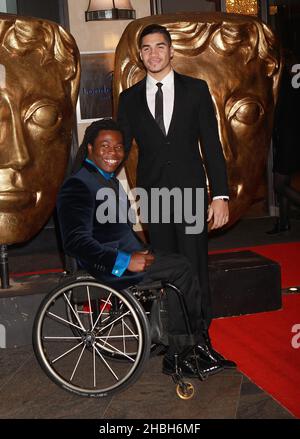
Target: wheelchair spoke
x,y
66,353
106,336
116,350
76,365
123,333
94,366
101,311
115,336
62,320
90,306
74,312
103,320
129,329
114,321
127,336
64,338
106,364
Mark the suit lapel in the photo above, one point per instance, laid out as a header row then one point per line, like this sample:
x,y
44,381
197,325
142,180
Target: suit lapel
x,y
99,177
178,100
112,183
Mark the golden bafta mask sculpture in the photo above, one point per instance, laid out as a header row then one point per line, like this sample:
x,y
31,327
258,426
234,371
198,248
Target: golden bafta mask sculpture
x,y
39,79
241,62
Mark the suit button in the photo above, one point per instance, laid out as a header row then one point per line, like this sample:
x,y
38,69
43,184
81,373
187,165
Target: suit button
x,y
168,143
168,162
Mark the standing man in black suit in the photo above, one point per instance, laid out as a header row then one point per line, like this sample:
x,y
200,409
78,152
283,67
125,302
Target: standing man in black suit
x,y
168,114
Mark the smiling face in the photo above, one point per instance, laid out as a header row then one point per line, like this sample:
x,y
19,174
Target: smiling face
x,y
156,54
108,150
36,120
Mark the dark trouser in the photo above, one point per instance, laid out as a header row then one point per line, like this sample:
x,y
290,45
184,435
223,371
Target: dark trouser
x,y
177,270
173,239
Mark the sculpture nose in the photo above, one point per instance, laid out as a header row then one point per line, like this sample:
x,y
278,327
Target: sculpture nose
x,y
20,156
14,153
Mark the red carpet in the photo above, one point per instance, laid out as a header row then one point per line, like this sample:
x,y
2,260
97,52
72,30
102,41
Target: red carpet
x,y
261,344
286,254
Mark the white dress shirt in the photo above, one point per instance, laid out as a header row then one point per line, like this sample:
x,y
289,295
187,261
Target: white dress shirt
x,y
168,102
168,94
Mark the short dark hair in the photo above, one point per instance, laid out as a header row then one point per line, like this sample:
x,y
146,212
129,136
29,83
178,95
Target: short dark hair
x,y
90,135
154,29
92,131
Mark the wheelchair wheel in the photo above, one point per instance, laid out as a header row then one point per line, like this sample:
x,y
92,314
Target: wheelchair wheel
x,y
71,339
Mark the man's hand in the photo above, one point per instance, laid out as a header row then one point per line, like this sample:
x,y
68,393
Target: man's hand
x,y
140,261
218,212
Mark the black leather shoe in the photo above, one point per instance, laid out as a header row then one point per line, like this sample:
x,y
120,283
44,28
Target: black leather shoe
x,y
208,354
190,367
207,368
186,366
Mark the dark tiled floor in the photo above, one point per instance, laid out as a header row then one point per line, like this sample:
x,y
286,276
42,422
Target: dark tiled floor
x,y
26,392
256,404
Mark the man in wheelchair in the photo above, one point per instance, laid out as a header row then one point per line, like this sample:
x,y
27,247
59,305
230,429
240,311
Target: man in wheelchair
x,y
107,247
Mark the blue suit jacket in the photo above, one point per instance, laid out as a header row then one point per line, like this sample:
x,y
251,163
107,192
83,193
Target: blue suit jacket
x,y
94,245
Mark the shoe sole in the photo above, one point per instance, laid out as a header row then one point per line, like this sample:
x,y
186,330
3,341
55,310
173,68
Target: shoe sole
x,y
202,357
213,372
187,375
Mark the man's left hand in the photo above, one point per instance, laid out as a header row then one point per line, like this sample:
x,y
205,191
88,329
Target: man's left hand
x,y
218,211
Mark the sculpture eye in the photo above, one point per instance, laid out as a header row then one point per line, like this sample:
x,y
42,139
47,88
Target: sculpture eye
x,y
246,111
44,114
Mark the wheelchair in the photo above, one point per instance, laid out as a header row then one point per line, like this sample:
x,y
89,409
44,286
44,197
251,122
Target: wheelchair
x,y
94,341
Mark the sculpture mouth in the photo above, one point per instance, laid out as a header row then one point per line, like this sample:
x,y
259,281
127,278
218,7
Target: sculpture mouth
x,y
14,200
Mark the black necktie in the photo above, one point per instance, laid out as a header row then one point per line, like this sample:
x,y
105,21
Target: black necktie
x,y
159,107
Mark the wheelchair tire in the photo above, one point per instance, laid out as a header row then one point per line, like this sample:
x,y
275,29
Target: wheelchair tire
x,y
76,360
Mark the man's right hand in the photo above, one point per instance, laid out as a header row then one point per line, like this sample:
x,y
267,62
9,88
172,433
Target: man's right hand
x,y
140,261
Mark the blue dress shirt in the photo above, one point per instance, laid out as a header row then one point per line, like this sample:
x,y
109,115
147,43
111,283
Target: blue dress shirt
x,y
123,258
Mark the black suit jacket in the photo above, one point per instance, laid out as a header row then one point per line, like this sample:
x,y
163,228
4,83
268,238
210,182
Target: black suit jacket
x,y
175,159
94,245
